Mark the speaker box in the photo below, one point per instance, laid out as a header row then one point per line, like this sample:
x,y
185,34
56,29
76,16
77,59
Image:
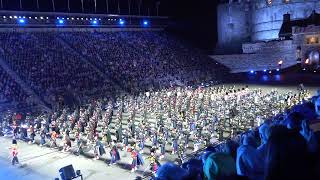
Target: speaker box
x,y
67,172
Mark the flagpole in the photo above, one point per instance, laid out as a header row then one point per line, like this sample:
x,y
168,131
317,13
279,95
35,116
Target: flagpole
x,y
107,4
118,6
95,6
20,4
38,5
129,4
82,6
1,5
139,7
53,6
158,4
69,5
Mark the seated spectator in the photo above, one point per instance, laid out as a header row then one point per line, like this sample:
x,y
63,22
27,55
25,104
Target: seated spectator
x,y
248,163
264,132
309,136
317,106
194,167
293,121
230,147
205,156
170,171
219,166
287,155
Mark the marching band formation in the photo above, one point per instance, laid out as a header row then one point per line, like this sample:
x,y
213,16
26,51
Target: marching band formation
x,y
173,121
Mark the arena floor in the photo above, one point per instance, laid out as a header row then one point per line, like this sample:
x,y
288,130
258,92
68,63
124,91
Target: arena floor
x,y
38,163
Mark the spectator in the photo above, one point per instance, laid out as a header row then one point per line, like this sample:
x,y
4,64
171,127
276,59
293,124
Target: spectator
x,y
219,166
248,163
170,171
287,155
230,147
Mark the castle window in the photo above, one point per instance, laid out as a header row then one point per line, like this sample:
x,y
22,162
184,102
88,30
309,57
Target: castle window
x,y
312,40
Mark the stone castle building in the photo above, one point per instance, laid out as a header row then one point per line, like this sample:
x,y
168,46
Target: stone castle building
x,y
257,34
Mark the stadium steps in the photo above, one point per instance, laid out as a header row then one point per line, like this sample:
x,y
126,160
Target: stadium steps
x,y
24,85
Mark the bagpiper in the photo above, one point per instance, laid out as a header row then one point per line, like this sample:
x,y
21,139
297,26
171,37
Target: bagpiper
x,y
136,159
99,149
42,137
32,135
114,153
154,163
174,146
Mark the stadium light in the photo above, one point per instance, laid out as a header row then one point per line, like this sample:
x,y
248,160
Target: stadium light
x,y
60,22
121,22
94,22
145,23
252,71
264,70
21,21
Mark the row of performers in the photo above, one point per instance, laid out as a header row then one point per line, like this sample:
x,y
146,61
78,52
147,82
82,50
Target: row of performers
x,y
136,157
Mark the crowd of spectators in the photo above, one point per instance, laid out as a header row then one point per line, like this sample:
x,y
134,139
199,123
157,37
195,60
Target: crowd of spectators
x,y
144,60
10,89
53,63
49,67
284,147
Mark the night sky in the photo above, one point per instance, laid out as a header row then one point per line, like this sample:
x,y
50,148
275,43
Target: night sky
x,y
194,20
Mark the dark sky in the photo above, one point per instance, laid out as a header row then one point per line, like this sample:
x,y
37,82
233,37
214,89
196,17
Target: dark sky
x,y
194,20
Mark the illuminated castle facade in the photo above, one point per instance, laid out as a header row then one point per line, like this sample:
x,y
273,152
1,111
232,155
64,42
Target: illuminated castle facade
x,y
243,21
258,34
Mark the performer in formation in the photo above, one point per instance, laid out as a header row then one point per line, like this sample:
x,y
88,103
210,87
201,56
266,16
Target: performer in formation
x,y
137,159
99,149
14,153
154,162
175,120
114,153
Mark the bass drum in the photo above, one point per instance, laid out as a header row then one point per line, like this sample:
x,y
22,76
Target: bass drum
x,y
314,57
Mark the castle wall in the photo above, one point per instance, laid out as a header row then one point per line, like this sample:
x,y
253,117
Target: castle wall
x,y
267,19
233,28
252,21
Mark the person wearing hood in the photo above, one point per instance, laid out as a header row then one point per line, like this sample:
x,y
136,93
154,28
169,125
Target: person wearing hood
x,y
247,161
219,166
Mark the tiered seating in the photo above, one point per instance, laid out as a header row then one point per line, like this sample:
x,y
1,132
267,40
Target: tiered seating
x,y
48,66
10,91
146,59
